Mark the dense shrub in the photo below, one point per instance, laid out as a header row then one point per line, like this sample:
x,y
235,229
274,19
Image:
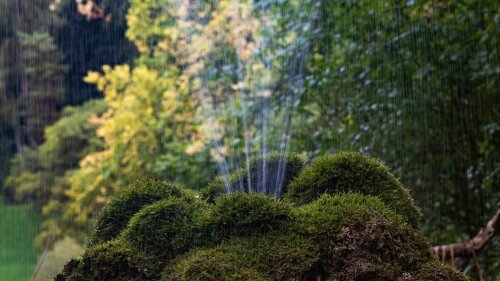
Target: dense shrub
x,y
356,172
167,228
113,260
117,213
280,170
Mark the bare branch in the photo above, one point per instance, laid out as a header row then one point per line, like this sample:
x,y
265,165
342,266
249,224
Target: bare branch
x,y
467,249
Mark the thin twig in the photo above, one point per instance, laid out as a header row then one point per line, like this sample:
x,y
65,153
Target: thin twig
x,y
48,243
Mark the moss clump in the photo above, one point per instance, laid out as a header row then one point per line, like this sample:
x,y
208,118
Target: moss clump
x,y
117,213
433,270
280,170
166,228
361,238
271,257
349,236
353,172
245,213
113,260
212,265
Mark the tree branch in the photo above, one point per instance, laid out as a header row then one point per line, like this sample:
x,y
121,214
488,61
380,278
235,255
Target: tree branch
x,y
466,250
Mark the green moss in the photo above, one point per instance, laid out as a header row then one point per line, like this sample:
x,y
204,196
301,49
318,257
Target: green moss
x,y
213,265
167,228
355,172
213,190
113,260
361,238
272,257
434,271
117,213
245,213
280,170
359,232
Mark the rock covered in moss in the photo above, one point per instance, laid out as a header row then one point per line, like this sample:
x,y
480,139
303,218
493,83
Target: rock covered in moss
x,y
167,228
117,213
353,172
269,175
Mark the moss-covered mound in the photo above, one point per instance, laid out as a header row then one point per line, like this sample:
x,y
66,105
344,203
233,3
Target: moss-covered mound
x,y
354,172
247,213
115,216
269,175
269,257
349,236
113,260
371,242
167,228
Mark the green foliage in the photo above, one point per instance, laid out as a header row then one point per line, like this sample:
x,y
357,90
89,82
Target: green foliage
x,y
117,213
167,228
353,172
72,137
415,84
280,171
36,174
41,175
146,133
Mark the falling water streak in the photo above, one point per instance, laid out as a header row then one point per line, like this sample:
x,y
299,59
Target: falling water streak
x,y
220,160
264,187
237,155
291,98
245,124
259,103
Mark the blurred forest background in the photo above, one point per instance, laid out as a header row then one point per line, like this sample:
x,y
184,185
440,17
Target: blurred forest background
x,y
96,94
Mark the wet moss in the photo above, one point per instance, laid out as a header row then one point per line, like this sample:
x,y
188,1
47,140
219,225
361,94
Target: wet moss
x,y
353,172
167,228
114,260
117,213
238,213
433,270
338,235
280,170
212,265
362,239
271,257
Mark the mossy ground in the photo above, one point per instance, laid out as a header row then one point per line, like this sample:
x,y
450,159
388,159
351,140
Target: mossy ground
x,y
348,231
